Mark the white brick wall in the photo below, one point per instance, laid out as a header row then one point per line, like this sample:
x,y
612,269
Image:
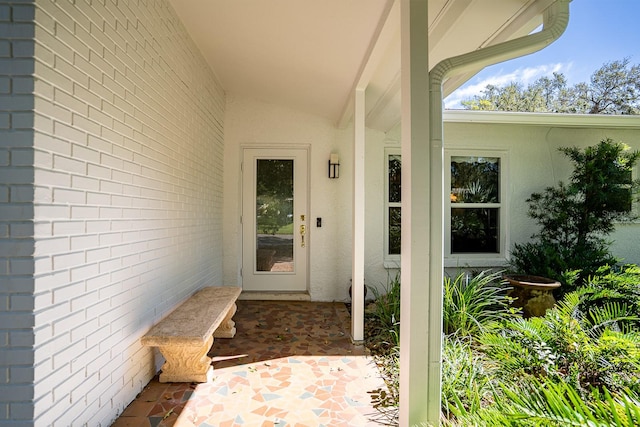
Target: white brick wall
x,y
113,187
16,213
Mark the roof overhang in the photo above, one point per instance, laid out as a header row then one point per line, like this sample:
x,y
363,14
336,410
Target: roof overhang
x,y
582,121
310,55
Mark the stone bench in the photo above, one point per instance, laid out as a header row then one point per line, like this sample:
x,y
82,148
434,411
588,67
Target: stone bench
x,y
185,336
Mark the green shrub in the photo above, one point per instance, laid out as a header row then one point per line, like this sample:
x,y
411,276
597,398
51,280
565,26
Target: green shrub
x,y
466,377
610,284
469,302
587,350
559,404
575,218
552,260
578,365
551,404
383,338
384,313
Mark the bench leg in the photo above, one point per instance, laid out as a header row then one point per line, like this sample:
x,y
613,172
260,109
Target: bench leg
x,y
184,364
227,328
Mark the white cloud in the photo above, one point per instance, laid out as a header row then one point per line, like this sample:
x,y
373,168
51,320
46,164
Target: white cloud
x,y
524,76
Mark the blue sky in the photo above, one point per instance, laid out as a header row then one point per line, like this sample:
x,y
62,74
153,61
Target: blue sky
x,y
599,31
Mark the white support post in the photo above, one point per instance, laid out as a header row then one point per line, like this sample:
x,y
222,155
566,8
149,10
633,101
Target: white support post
x,y
419,325
357,274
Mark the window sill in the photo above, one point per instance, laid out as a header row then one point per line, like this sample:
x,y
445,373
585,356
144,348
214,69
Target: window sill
x,y
392,264
457,262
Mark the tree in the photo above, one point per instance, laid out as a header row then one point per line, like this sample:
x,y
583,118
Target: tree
x,y
274,194
575,218
613,89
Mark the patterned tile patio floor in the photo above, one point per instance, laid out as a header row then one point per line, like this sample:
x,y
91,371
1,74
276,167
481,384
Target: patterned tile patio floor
x,y
290,364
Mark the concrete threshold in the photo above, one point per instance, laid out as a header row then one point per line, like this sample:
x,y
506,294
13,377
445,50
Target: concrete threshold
x,y
274,296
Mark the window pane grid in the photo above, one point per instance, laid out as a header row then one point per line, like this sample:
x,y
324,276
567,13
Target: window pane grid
x,y
393,204
475,205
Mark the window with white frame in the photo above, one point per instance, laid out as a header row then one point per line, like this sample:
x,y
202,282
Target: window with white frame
x,y
634,209
632,206
475,213
392,205
475,209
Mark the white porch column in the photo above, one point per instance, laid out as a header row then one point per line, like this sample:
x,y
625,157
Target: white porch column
x,y
357,274
421,275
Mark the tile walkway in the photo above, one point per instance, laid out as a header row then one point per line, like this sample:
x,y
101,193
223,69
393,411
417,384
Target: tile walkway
x,y
290,364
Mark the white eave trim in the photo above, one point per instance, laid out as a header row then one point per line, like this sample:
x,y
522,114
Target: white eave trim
x,y
543,119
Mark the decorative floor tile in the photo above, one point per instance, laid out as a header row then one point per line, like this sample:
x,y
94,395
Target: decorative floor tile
x,y
290,364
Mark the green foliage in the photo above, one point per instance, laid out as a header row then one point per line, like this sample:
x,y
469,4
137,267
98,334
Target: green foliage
x,y
568,368
613,89
475,179
559,404
383,338
552,260
610,284
586,349
386,310
550,404
578,365
575,218
274,195
469,303
466,377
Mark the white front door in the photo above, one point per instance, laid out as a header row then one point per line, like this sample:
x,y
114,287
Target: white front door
x,y
275,239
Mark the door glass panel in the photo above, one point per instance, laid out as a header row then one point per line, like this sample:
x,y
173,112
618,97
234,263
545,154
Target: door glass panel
x,y
274,215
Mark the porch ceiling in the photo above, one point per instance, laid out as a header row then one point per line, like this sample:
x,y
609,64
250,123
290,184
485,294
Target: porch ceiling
x,y
309,55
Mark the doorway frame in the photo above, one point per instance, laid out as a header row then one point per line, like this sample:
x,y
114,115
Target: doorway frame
x,y
285,295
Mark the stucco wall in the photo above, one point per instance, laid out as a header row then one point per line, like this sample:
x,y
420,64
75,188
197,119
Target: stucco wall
x,y
533,164
127,196
251,122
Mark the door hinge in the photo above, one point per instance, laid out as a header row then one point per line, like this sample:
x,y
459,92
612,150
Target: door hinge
x,y
240,219
240,272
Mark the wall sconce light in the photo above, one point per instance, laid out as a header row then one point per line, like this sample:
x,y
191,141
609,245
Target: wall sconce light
x,y
334,166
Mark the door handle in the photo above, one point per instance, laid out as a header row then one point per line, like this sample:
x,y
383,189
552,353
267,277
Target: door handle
x,y
303,230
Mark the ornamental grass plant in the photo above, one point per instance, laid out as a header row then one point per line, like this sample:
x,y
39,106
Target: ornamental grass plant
x,y
579,365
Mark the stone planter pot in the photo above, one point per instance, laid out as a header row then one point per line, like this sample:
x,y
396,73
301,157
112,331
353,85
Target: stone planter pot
x,y
534,294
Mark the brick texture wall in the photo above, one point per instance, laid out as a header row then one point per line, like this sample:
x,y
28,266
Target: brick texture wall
x,y
123,219
16,213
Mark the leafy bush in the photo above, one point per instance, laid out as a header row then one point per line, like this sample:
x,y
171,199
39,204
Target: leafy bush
x,y
552,260
383,338
610,284
568,368
550,404
469,302
559,404
575,218
578,365
384,312
466,377
586,350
